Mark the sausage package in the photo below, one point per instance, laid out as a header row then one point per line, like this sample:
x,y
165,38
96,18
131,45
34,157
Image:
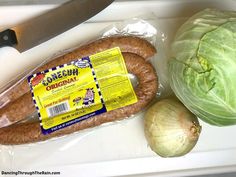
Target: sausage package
x,y
106,80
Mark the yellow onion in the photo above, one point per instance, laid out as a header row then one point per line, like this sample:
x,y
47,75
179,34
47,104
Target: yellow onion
x,y
170,128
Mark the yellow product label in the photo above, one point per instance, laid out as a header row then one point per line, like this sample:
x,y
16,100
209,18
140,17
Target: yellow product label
x,y
86,87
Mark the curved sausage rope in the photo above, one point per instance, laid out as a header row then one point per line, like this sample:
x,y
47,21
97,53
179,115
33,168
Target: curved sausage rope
x,y
126,43
145,91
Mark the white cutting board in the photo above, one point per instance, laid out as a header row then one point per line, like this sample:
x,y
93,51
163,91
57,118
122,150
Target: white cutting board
x,y
120,148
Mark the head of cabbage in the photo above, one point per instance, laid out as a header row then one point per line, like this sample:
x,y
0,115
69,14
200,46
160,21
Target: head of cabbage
x,y
203,66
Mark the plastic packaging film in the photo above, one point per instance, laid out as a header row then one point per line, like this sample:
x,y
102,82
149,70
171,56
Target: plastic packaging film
x,y
137,40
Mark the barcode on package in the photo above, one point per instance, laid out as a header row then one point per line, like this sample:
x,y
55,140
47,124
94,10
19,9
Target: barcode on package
x,y
58,109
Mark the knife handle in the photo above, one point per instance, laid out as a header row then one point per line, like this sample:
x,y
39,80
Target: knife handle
x,y
8,38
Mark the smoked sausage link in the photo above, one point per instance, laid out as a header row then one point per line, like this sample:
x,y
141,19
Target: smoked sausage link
x,y
146,90
126,43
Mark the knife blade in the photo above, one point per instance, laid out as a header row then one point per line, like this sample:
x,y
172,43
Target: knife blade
x,y
48,25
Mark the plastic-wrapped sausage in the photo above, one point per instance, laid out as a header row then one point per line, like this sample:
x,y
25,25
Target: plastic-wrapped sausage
x,y
146,90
